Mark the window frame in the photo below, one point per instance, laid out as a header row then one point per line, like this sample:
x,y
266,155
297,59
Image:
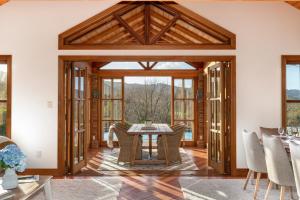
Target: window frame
x,y
112,99
184,99
8,60
286,59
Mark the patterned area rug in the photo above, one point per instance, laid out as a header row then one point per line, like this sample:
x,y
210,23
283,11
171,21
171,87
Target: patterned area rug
x,y
192,188
110,163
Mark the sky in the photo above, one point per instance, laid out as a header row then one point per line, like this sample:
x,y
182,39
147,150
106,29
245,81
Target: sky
x,y
293,76
142,79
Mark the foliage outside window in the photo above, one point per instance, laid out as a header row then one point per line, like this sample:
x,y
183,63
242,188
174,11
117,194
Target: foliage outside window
x,y
292,95
5,95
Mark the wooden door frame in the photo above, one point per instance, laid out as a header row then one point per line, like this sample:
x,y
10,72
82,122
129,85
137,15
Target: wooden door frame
x,y
61,115
8,60
286,59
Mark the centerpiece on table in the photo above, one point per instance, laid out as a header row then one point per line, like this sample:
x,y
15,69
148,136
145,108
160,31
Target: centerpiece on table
x,y
11,160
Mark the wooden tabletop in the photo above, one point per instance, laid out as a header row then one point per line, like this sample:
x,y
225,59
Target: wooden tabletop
x,y
158,129
27,190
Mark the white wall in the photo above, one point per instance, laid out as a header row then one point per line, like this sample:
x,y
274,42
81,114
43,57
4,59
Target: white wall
x,y
29,32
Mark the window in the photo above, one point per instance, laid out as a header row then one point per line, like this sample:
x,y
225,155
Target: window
x,y
146,66
5,96
112,104
184,105
291,91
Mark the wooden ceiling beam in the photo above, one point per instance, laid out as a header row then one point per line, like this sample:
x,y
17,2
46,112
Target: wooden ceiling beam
x,y
164,30
147,22
172,32
295,4
3,2
181,29
129,29
114,28
118,36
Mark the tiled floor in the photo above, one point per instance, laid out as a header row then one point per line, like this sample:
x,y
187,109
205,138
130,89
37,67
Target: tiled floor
x,y
199,156
149,184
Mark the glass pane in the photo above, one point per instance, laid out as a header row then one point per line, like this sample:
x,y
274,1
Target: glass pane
x,y
218,83
293,82
178,109
147,98
189,131
105,130
212,84
3,111
107,84
189,88
75,115
189,109
117,110
76,82
117,88
82,83
81,114
75,153
173,66
106,110
178,89
3,81
293,114
81,146
122,65
218,115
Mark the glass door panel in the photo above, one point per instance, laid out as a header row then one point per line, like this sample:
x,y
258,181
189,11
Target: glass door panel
x,y
184,101
79,110
216,118
112,104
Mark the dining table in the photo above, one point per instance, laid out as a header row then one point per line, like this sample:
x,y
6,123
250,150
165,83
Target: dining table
x,y
286,140
137,130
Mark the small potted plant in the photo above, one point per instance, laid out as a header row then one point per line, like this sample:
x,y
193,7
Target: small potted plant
x,y
11,160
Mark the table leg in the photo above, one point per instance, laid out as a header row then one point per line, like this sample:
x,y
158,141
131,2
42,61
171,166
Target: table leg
x,y
164,138
48,191
134,147
150,145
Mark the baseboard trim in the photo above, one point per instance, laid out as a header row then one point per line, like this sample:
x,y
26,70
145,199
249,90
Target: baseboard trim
x,y
37,171
240,172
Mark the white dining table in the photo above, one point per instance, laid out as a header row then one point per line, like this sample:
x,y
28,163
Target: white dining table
x,y
286,140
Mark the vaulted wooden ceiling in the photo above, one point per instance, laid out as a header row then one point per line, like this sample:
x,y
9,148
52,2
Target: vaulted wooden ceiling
x,y
295,3
147,25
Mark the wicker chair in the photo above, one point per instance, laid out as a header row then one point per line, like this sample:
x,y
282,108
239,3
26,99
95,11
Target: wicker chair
x,y
125,143
173,143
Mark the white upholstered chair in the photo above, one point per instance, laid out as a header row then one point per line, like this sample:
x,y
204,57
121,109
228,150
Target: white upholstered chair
x,y
255,158
279,167
295,156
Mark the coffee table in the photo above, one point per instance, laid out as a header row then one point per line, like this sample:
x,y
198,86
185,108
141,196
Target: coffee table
x,y
27,190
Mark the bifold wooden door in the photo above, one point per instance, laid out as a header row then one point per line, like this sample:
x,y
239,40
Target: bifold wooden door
x,y
218,77
78,116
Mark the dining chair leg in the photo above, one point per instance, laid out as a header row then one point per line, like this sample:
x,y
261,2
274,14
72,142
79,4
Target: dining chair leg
x,y
257,185
247,179
134,147
282,191
164,139
268,190
253,178
291,192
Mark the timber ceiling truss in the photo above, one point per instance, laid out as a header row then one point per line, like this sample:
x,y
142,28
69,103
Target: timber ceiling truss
x,y
147,25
